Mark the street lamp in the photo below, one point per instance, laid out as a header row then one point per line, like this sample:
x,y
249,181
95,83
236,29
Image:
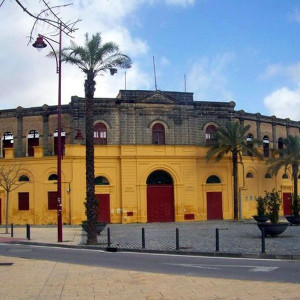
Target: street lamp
x,y
40,43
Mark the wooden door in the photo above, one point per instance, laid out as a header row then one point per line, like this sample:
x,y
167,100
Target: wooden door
x,y
103,207
214,206
160,203
287,203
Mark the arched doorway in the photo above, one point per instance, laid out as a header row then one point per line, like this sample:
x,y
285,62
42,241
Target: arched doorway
x,y
103,200
160,197
214,200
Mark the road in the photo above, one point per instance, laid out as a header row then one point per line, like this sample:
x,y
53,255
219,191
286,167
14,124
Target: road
x,y
229,268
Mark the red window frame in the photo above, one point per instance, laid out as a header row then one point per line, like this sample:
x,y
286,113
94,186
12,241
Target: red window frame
x,y
52,200
158,134
100,134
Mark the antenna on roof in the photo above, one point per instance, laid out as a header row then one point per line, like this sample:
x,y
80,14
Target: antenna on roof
x,y
154,74
184,83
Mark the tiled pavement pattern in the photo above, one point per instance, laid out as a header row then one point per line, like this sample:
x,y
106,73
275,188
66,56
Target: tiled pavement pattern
x,y
36,279
235,237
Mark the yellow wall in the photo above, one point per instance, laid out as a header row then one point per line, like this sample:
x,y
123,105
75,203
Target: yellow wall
x,y
127,168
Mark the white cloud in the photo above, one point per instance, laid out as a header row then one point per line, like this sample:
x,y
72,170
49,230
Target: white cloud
x,y
183,3
208,79
284,103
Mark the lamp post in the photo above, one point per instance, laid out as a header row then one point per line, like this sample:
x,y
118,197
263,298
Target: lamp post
x,y
40,44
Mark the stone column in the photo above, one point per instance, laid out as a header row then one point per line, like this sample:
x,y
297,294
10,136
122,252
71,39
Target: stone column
x,y
19,151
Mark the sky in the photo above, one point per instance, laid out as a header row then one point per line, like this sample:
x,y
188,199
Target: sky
x,y
247,51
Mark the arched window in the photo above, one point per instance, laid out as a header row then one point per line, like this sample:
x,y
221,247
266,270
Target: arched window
x,y
158,134
280,145
159,177
7,141
209,133
100,134
52,177
101,180
213,179
249,175
249,143
23,178
268,175
63,141
33,140
285,176
266,146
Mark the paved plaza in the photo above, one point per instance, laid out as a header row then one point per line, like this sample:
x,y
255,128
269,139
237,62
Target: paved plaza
x,y
237,238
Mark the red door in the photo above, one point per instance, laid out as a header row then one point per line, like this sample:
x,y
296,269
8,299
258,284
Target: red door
x,y
160,203
214,206
287,204
103,208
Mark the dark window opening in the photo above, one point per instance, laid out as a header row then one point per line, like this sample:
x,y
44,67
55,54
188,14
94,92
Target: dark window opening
x,y
101,180
53,177
23,201
52,200
23,178
268,175
63,141
7,141
33,140
249,175
285,176
266,146
159,177
213,179
100,134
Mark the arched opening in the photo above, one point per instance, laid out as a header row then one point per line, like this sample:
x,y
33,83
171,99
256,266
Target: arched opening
x,y
285,176
33,140
158,134
209,133
249,175
249,144
266,146
213,179
268,175
63,141
101,180
100,134
52,177
103,199
23,178
160,197
7,141
280,146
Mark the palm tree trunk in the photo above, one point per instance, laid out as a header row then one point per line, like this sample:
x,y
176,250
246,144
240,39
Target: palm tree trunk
x,y
235,185
295,170
91,202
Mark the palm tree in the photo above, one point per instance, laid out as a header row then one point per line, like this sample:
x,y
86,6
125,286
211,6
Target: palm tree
x,y
92,59
289,158
232,138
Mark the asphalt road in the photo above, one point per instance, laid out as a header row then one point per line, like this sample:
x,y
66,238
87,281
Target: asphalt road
x,y
229,268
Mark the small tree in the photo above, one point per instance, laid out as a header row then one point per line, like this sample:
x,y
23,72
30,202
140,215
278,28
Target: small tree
x,y
261,206
295,205
273,202
9,181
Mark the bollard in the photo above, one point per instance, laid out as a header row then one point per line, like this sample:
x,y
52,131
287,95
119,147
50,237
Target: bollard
x,y
177,239
143,239
217,240
12,229
108,237
263,243
28,232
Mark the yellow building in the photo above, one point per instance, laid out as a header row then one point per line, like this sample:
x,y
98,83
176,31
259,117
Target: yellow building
x,y
149,160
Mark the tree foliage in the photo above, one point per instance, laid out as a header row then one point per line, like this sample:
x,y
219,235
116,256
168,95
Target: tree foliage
x,y
232,139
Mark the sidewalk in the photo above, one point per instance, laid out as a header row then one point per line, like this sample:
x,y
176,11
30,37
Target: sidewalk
x,y
236,238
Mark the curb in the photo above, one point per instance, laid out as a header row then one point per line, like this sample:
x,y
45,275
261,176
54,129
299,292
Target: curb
x,y
172,252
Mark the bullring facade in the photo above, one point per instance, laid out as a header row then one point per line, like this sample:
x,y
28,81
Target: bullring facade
x,y
150,161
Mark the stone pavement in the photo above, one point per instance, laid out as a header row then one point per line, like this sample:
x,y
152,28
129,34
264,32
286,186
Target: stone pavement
x,y
237,238
36,279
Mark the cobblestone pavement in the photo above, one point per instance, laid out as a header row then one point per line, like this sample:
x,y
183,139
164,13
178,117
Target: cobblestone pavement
x,y
234,237
241,237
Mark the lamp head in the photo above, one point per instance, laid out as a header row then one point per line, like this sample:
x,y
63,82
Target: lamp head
x,y
113,71
39,43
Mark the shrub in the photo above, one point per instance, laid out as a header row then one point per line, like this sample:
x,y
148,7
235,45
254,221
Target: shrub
x,y
295,205
261,206
273,202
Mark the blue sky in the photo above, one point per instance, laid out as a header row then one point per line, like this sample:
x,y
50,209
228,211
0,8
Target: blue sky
x,y
240,50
